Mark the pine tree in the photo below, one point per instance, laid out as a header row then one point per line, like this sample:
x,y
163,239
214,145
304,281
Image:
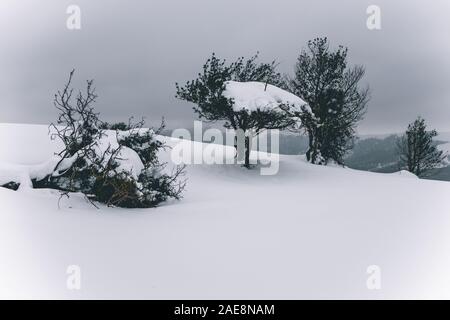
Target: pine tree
x,y
417,151
206,92
323,79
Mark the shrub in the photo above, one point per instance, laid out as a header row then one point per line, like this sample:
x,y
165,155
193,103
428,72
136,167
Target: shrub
x,y
117,168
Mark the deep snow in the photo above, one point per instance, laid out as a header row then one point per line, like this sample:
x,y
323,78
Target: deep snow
x,y
307,232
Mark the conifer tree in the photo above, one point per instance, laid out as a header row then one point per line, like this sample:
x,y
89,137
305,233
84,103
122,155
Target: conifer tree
x,y
206,92
331,89
417,151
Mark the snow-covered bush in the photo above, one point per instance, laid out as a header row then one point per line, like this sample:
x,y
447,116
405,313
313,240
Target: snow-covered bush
x,y
115,126
141,182
117,168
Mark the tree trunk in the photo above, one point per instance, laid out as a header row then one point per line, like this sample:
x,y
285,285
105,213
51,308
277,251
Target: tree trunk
x,y
313,147
247,152
310,148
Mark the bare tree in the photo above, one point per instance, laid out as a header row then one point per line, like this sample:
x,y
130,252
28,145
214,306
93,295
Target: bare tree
x,y
78,125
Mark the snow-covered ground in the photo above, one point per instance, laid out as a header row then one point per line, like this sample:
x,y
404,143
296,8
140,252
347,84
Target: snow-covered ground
x,y
307,232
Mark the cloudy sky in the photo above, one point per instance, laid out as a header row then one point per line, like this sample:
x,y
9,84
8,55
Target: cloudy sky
x,y
137,50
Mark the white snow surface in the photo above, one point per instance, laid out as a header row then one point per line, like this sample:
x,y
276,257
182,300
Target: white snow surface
x,y
405,174
128,161
307,232
255,95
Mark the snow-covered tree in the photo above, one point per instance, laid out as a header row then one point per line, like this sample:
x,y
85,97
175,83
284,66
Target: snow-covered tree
x,y
118,168
418,153
331,89
243,94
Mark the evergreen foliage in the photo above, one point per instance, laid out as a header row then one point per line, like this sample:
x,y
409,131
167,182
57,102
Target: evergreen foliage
x,y
206,92
331,89
118,168
417,151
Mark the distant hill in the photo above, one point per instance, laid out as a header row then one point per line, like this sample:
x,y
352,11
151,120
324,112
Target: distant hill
x,y
375,153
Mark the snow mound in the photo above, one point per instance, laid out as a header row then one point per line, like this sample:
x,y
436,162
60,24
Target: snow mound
x,y
254,95
128,161
23,174
405,174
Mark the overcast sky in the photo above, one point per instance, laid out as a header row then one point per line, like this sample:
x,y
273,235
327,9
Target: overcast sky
x,y
137,50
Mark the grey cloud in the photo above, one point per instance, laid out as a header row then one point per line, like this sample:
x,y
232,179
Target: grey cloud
x,y
137,50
